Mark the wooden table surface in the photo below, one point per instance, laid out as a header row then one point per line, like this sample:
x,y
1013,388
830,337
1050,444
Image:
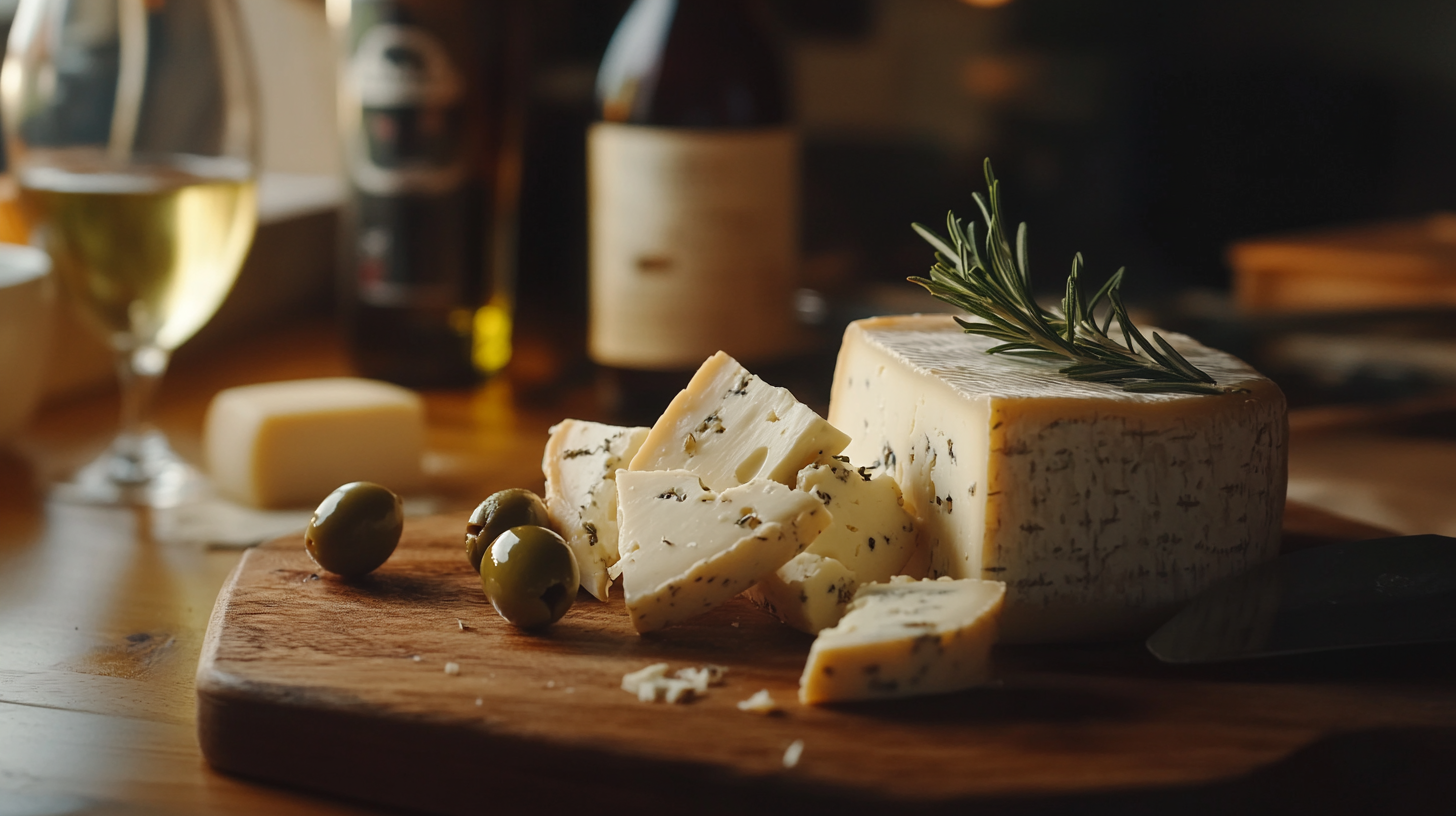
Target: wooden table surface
x,y
102,613
102,616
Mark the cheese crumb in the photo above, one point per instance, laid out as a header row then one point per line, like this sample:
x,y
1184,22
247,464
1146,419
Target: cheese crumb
x,y
633,681
792,753
479,701
677,691
452,669
701,678
651,684
760,703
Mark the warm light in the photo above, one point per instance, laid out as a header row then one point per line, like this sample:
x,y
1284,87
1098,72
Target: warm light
x,y
986,3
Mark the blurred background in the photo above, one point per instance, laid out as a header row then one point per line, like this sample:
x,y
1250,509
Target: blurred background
x,y
1171,138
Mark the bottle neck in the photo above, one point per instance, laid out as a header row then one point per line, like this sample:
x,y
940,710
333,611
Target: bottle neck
x,y
695,64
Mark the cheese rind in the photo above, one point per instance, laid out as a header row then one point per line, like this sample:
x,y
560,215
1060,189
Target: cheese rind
x,y
290,443
729,427
870,538
686,549
580,464
905,638
1101,509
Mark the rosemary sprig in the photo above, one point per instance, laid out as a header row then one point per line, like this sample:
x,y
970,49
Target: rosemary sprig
x,y
994,285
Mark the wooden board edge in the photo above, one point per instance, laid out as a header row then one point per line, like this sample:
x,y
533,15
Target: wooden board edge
x,y
295,747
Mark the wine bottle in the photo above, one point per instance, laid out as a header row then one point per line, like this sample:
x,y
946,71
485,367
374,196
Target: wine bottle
x,y
430,123
693,198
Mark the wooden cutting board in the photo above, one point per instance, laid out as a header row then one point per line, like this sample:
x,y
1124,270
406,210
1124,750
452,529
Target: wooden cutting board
x,y
310,681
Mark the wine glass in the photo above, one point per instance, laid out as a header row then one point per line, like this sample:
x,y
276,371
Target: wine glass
x,y
131,129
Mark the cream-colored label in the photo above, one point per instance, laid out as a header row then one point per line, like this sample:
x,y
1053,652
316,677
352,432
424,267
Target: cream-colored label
x,y
694,244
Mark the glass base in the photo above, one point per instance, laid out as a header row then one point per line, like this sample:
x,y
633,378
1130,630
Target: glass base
x,y
137,470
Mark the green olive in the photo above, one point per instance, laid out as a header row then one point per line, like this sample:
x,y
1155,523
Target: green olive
x,y
530,576
355,529
498,513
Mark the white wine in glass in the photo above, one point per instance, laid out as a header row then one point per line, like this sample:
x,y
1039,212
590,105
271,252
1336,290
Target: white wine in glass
x,y
131,130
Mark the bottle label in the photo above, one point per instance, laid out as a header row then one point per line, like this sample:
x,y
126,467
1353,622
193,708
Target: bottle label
x,y
410,96
694,244
408,153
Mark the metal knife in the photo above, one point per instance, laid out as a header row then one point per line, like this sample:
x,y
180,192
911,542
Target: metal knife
x,y
1382,592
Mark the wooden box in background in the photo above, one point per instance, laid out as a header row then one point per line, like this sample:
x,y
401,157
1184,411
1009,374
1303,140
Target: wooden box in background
x,y
1395,265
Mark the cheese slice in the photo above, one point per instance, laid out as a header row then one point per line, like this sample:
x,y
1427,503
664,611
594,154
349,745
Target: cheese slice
x,y
729,427
290,443
686,549
1101,509
905,638
580,464
870,539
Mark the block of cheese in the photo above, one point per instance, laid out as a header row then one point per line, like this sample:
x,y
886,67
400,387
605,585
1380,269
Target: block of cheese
x,y
580,464
905,638
290,443
1101,509
686,549
809,593
869,539
729,427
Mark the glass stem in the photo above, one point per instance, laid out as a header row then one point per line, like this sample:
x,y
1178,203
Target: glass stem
x,y
138,371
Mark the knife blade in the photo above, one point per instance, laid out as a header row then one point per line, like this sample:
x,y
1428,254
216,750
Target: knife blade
x,y
1381,592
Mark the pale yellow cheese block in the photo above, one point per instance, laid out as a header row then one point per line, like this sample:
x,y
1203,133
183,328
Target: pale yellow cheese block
x,y
1101,509
290,443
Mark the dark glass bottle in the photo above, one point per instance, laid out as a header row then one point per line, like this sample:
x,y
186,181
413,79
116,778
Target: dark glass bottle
x,y
693,191
431,124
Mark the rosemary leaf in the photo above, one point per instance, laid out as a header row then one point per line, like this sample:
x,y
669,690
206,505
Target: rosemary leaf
x,y
990,279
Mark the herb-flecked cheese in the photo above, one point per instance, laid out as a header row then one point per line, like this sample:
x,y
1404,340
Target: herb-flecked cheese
x,y
686,549
905,638
580,464
870,538
809,593
729,427
1101,509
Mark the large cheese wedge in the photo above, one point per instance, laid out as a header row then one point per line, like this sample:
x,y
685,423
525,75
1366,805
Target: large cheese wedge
x,y
580,464
905,638
870,538
729,427
686,549
1101,509
290,443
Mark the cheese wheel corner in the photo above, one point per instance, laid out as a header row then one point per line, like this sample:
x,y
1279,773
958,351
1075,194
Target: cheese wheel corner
x,y
1100,509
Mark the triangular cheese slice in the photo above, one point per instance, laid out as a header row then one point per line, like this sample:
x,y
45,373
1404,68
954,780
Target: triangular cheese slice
x,y
686,549
580,464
